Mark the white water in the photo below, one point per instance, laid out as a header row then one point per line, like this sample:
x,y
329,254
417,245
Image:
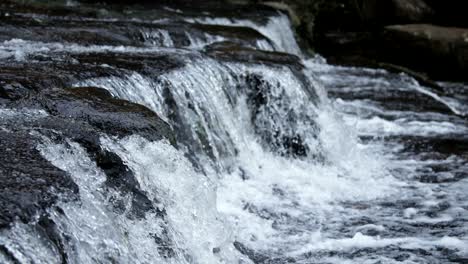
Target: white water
x,y
20,50
251,179
101,235
210,102
158,37
369,118
320,208
279,206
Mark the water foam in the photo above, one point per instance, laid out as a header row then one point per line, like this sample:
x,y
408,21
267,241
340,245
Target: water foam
x,y
99,234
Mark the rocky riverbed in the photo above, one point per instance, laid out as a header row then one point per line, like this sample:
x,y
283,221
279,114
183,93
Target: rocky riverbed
x,y
175,132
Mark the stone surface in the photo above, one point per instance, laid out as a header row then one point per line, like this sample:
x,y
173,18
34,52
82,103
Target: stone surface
x,y
29,183
233,52
362,33
440,51
97,107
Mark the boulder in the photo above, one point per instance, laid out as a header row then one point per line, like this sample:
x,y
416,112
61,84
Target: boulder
x,y
442,52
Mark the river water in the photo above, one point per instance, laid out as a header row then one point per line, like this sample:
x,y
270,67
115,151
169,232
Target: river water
x,y
274,163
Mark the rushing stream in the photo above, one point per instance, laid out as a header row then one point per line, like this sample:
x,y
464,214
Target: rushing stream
x,y
280,159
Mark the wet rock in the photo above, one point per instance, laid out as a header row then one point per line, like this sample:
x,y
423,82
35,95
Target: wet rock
x,y
166,248
47,228
104,112
393,11
54,8
30,183
18,80
302,15
150,64
176,33
98,109
12,91
64,32
253,255
263,105
242,35
233,52
413,45
6,255
444,145
61,69
262,257
363,36
402,100
94,32
345,31
421,78
121,178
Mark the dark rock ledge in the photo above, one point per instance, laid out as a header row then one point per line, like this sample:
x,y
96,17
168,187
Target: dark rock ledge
x,y
31,185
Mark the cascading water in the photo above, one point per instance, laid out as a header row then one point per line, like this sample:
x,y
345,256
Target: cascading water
x,y
267,167
278,29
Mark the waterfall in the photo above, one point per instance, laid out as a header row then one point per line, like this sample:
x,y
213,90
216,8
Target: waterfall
x,y
278,29
266,139
284,159
211,98
158,37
